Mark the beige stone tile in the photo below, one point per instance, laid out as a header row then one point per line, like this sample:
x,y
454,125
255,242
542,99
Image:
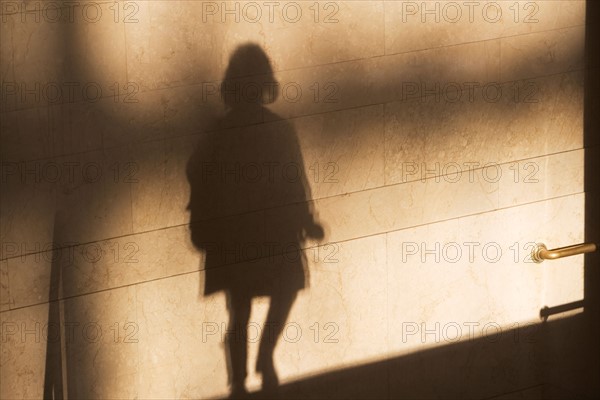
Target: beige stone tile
x,y
130,117
435,133
7,102
471,270
180,354
552,124
427,143
363,213
361,288
428,283
107,264
163,173
417,25
541,178
512,286
544,53
28,208
133,259
342,151
426,138
23,352
164,253
102,357
76,52
333,163
383,79
329,324
162,193
159,60
337,326
404,205
93,190
5,299
96,202
30,279
35,46
564,279
447,198
173,112
166,49
446,64
514,277
74,127
368,212
143,116
98,266
329,87
25,135
320,27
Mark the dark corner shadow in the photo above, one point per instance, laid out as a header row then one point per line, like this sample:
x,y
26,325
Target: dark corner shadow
x,y
508,364
63,376
592,160
53,370
592,188
250,211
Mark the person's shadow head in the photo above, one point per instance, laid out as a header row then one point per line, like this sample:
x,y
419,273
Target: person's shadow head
x,y
249,81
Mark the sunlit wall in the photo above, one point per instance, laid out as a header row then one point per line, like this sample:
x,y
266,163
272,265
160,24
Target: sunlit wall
x,y
439,139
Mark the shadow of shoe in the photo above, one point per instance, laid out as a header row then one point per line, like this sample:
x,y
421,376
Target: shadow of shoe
x,y
238,392
270,380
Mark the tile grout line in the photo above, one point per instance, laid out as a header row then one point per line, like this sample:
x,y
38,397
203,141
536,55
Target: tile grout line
x,y
244,213
306,248
196,133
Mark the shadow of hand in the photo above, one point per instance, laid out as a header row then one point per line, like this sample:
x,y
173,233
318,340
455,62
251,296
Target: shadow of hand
x,y
314,231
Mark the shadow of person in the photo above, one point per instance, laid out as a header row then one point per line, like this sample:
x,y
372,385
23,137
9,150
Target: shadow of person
x,y
250,212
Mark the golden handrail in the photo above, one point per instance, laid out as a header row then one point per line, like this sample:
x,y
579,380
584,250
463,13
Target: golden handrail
x,y
541,253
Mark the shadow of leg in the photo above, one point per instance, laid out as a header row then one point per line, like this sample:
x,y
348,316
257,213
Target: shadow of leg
x,y
237,348
279,310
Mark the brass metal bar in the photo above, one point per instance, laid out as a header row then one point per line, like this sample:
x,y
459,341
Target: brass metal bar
x,y
541,253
